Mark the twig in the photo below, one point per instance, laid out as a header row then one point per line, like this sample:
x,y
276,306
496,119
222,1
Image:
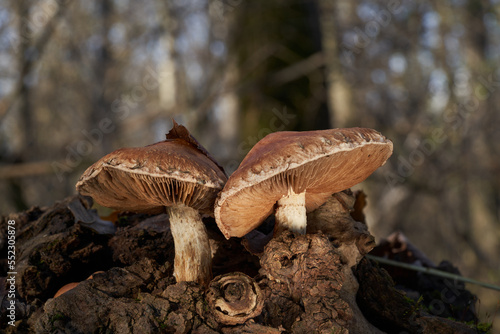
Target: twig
x,y
26,169
432,271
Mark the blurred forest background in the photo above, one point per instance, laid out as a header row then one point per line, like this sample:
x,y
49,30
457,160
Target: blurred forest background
x,y
79,79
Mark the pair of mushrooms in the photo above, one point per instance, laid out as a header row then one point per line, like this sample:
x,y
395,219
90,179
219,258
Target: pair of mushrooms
x,y
288,173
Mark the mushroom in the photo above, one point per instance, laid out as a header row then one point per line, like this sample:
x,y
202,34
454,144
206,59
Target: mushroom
x,y
73,285
66,288
294,173
176,175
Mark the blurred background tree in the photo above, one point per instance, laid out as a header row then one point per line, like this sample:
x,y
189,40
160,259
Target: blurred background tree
x,y
82,78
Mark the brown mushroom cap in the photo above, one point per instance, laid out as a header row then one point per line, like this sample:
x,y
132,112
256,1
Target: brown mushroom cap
x,y
318,162
66,288
148,179
177,176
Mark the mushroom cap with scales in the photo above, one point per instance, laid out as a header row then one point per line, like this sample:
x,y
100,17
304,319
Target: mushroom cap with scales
x,y
147,179
176,176
318,163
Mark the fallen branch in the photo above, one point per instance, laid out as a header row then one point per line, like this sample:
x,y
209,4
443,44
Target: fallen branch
x,y
26,169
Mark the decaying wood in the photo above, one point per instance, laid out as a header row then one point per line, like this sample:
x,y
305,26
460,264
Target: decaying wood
x,y
305,283
334,219
392,311
253,328
310,272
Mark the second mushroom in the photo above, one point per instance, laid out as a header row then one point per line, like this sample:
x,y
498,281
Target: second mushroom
x,y
291,173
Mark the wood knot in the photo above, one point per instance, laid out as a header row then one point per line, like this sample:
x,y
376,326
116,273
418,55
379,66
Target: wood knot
x,y
234,298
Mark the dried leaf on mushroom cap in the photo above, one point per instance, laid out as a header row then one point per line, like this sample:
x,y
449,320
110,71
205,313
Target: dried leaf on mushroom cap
x,y
180,132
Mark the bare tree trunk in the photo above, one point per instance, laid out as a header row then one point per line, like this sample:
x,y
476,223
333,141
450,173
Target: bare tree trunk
x,y
101,105
28,52
21,103
26,55
339,93
282,83
482,219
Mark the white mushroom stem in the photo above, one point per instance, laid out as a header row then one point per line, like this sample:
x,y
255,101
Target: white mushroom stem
x,y
193,257
290,213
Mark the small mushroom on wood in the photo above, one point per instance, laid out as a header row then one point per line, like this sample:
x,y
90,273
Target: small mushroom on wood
x,y
234,298
176,175
291,173
66,288
72,285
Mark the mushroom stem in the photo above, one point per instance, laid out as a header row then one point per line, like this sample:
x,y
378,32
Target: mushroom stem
x,y
193,257
290,213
